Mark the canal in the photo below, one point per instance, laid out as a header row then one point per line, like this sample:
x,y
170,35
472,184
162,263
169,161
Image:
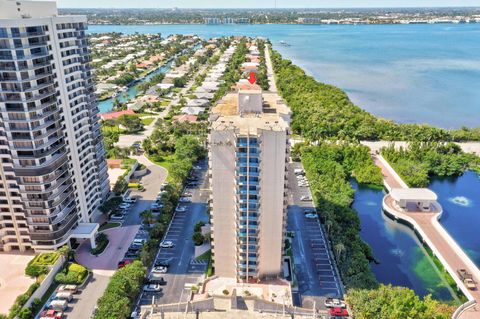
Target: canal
x,y
107,105
402,261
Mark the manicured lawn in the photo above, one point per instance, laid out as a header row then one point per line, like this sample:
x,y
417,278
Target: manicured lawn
x,y
113,129
166,163
205,256
148,121
108,226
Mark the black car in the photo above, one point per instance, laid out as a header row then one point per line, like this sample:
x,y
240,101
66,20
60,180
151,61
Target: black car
x,y
157,280
162,263
131,255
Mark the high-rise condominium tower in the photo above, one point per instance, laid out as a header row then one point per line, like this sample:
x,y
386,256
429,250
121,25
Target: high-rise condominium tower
x,y
53,174
248,154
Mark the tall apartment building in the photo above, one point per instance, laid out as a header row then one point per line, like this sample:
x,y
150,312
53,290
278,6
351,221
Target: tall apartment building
x,y
53,174
248,149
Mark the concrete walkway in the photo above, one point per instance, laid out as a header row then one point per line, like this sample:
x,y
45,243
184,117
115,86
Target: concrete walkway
x,y
270,73
435,236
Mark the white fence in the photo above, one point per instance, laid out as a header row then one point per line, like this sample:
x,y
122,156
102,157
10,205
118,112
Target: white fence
x,y
42,289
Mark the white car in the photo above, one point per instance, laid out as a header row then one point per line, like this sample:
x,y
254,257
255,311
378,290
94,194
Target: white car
x,y
124,206
159,270
116,217
306,198
311,216
337,303
167,244
152,288
130,200
181,209
197,167
184,200
187,194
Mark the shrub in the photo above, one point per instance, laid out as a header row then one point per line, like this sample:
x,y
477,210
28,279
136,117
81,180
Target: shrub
x,y
123,288
225,292
34,270
198,238
73,274
102,242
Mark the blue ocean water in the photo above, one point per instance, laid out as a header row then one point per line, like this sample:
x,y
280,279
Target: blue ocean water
x,y
407,73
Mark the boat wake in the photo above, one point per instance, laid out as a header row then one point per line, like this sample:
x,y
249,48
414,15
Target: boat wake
x,y
461,201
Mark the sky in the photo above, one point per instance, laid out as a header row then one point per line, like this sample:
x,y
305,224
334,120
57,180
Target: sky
x,y
262,4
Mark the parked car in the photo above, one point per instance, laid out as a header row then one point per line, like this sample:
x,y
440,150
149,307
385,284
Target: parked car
x,y
130,200
187,194
138,241
334,303
152,288
59,305
311,216
155,207
184,200
51,314
309,211
64,295
467,278
181,209
162,187
116,217
124,206
306,198
160,270
338,312
167,244
163,263
298,171
123,263
156,279
70,288
197,167
135,247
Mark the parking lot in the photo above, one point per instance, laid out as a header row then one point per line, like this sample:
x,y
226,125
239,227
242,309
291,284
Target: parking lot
x,y
183,271
315,272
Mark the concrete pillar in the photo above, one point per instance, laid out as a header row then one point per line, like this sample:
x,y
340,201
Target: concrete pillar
x,y
93,244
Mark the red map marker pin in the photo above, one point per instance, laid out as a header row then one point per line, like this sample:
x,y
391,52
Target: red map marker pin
x,y
252,78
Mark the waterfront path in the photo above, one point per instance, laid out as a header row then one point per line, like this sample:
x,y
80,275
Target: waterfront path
x,y
436,237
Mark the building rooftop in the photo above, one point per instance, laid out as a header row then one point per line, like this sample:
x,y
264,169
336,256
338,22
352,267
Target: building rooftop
x,y
275,114
413,194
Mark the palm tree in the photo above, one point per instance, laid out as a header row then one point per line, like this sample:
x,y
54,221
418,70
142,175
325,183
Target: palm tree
x,y
147,216
329,225
339,249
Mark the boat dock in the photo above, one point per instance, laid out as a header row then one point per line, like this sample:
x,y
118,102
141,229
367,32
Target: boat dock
x,y
419,209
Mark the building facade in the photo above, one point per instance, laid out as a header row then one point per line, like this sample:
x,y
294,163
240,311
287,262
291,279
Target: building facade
x,y
53,173
248,151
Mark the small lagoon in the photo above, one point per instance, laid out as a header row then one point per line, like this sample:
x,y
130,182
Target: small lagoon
x,y
401,259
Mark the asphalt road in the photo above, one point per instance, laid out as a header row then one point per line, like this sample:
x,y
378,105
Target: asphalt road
x,y
183,268
314,269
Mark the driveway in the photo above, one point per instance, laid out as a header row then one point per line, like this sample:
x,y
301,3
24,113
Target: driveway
x,y
120,239
156,176
13,281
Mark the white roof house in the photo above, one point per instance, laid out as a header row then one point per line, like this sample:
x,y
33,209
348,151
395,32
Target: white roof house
x,y
192,110
198,102
165,86
201,95
415,199
210,86
413,194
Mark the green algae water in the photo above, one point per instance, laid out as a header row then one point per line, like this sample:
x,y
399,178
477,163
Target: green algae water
x,y
402,261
